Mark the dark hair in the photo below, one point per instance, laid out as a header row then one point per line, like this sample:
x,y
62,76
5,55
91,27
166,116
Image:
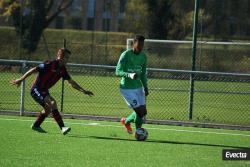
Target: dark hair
x,y
65,50
139,38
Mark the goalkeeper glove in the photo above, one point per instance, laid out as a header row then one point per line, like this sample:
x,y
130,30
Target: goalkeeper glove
x,y
132,75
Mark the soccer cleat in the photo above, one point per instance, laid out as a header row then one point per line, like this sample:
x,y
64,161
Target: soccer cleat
x,y
65,130
38,129
128,126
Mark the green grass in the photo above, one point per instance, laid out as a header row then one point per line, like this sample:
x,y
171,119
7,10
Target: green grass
x,y
107,144
208,107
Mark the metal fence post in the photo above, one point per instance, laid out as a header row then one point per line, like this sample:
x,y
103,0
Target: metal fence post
x,y
22,91
62,95
62,92
191,92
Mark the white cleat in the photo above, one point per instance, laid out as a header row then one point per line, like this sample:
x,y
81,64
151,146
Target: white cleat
x,y
65,130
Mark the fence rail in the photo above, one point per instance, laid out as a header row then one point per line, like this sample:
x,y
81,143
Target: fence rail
x,y
219,98
21,62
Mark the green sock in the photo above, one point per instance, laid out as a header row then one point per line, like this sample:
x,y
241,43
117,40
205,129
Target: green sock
x,y
131,118
138,122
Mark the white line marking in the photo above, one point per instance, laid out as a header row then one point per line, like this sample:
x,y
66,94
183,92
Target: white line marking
x,y
93,124
115,126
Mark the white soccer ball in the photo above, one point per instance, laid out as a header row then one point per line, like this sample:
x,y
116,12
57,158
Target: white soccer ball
x,y
141,134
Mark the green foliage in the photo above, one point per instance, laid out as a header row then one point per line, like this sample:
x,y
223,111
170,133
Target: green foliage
x,y
161,19
137,16
168,19
31,18
182,27
149,17
160,15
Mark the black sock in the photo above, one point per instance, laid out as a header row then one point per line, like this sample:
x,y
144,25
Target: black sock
x,y
40,118
58,118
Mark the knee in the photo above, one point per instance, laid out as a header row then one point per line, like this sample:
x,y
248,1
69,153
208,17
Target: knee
x,y
141,111
46,112
47,109
140,114
53,104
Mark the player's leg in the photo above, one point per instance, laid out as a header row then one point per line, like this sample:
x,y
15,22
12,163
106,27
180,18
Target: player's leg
x,y
141,111
131,98
144,111
55,113
127,124
140,118
130,118
51,103
42,116
39,98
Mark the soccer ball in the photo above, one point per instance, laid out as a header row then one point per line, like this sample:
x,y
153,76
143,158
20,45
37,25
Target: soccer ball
x,y
141,134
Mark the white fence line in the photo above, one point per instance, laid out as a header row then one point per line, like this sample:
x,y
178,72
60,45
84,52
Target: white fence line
x,y
20,62
190,42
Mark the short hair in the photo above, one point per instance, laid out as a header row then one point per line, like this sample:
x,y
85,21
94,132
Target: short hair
x,y
139,38
65,50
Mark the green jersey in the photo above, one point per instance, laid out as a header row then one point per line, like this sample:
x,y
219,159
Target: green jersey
x,y
130,62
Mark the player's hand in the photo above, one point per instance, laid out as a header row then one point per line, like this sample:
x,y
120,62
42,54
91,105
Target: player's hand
x,y
16,82
133,75
86,92
146,91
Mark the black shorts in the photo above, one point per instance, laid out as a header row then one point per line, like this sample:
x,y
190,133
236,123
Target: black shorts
x,y
38,95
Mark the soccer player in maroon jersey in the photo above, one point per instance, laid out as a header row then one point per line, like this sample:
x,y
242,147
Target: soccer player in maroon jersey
x,y
49,73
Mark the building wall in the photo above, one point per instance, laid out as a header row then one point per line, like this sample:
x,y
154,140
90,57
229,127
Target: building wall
x,y
99,15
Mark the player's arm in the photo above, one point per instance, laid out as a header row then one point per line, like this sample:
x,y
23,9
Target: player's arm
x,y
18,81
76,86
120,68
143,77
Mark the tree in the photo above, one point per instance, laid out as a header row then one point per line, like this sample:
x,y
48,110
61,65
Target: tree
x,y
136,16
160,16
31,17
228,18
153,18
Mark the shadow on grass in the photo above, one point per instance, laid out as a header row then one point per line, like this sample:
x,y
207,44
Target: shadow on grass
x,y
158,141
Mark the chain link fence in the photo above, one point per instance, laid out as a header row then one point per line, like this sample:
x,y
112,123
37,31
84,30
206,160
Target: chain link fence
x,y
210,56
96,34
169,54
219,98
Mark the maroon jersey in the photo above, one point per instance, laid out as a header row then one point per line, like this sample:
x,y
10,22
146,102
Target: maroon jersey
x,y
49,73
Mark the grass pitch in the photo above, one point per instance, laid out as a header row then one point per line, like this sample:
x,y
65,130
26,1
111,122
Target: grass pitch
x,y
106,144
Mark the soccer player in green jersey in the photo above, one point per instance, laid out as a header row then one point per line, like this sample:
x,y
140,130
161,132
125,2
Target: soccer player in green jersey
x,y
133,86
